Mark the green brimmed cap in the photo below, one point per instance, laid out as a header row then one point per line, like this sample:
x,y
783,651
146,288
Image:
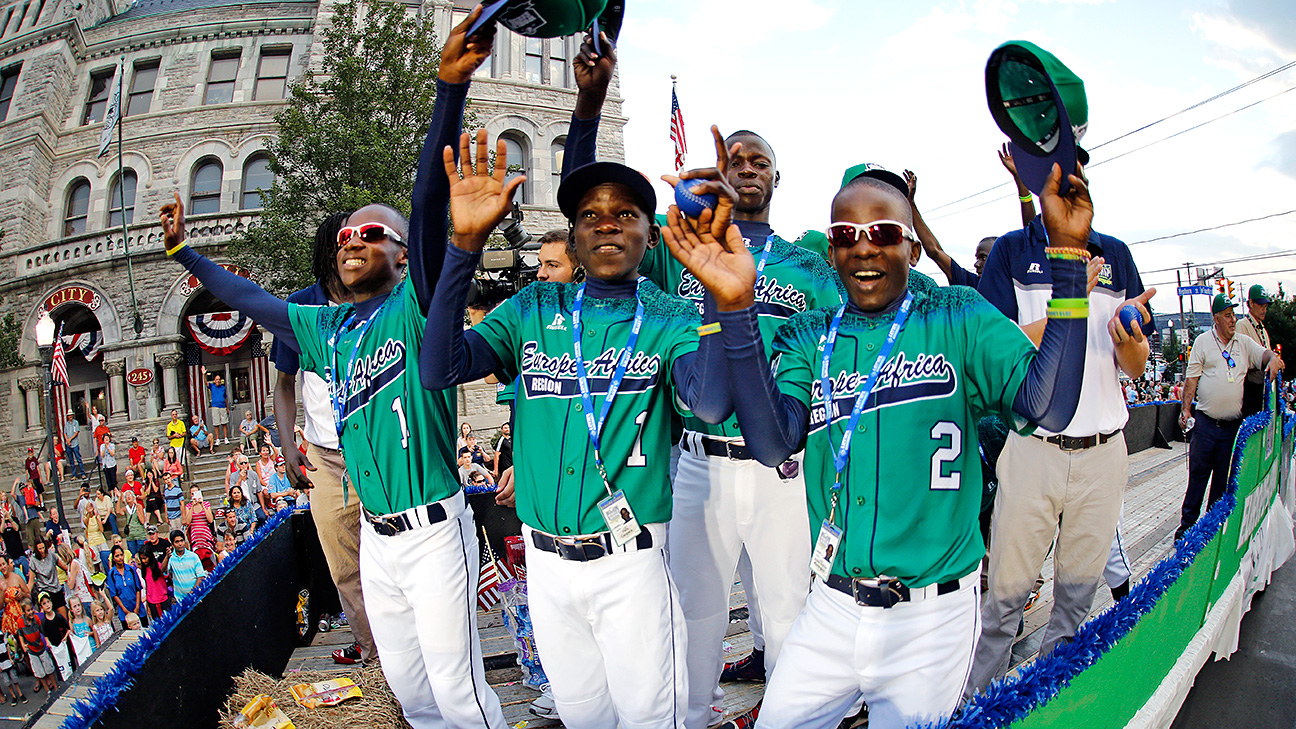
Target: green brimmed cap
x,y
540,18
1221,303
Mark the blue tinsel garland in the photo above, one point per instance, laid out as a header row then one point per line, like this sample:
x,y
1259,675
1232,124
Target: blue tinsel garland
x,y
1011,699
110,686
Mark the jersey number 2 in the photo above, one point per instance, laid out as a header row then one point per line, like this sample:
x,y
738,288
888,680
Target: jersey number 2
x,y
944,454
400,413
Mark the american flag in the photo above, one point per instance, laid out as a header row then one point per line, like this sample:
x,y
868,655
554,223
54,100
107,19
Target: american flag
x,y
677,131
492,574
58,365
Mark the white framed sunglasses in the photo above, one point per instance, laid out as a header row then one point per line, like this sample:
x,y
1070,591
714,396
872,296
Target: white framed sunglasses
x,y
369,233
881,233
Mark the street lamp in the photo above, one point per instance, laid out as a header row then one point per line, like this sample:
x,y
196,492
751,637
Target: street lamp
x,y
45,342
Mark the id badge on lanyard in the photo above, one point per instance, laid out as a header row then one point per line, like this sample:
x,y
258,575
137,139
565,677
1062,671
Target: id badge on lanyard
x,y
616,511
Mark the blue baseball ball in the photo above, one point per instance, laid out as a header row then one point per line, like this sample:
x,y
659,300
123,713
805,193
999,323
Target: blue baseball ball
x,y
1130,317
692,205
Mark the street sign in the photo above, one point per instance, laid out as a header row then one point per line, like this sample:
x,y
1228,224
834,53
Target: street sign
x,y
1198,290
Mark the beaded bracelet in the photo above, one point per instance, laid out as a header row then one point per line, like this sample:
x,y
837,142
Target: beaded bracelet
x,y
1067,254
1068,308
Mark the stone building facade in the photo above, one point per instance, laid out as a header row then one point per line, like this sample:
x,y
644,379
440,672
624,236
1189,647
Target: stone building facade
x,y
202,82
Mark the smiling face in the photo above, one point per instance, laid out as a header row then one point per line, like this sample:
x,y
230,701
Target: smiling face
x,y
370,269
611,232
753,174
874,277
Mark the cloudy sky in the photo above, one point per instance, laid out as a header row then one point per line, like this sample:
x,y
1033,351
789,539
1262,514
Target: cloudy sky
x,y
832,83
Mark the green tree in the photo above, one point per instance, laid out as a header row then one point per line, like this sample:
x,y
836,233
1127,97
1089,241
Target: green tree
x,y
1281,323
350,135
10,332
1170,352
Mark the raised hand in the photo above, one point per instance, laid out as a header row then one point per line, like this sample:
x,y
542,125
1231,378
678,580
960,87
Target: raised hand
x,y
1067,218
722,263
173,226
480,199
464,54
1006,159
911,179
712,181
593,71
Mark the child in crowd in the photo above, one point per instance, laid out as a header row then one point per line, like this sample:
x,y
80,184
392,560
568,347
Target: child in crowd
x,y
155,585
56,630
33,642
83,637
9,677
227,547
132,621
103,628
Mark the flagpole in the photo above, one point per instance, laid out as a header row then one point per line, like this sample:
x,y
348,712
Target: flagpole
x,y
121,186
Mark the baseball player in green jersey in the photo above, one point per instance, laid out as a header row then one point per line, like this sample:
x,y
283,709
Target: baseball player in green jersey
x,y
725,501
418,549
603,366
884,393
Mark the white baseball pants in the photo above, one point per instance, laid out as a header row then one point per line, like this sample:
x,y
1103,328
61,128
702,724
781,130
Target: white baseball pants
x,y
908,662
612,636
420,592
722,507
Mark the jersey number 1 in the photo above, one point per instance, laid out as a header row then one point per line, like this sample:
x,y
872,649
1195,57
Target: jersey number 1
x,y
940,431
400,413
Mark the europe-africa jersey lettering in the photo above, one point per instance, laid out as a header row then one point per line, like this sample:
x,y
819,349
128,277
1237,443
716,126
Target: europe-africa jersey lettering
x,y
556,458
907,509
395,434
793,280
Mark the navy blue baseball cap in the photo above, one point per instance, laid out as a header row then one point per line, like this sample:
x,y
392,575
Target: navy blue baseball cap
x,y
582,179
1041,105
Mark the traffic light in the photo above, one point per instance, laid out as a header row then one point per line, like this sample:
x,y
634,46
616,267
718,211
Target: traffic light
x,y
1220,285
1229,294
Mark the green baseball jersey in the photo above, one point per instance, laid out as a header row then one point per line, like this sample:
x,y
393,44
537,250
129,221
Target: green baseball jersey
x,y
911,491
397,436
505,393
793,280
558,485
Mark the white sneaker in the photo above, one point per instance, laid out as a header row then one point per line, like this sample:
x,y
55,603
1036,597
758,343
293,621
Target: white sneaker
x,y
543,706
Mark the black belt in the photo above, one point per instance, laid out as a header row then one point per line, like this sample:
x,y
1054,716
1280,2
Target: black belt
x,y
1072,443
887,592
1235,422
724,448
584,549
393,524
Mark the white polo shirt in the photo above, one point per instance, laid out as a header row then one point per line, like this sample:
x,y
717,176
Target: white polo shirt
x,y
1217,397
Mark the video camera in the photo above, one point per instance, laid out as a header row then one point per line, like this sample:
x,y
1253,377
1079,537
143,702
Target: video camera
x,y
502,271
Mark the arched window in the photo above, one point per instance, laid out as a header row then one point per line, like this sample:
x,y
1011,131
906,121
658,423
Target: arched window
x,y
115,200
555,164
205,190
519,163
78,208
257,178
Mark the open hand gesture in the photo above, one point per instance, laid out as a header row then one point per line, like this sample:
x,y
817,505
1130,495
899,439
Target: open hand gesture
x,y
1067,218
173,225
464,54
1006,159
480,199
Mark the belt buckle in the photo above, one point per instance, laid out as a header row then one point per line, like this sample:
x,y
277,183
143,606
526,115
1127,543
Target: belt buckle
x,y
890,589
581,546
729,444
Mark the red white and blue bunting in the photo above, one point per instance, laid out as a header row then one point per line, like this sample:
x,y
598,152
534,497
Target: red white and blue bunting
x,y
221,332
88,343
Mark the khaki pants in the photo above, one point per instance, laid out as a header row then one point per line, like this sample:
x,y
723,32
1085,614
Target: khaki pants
x,y
1046,492
339,534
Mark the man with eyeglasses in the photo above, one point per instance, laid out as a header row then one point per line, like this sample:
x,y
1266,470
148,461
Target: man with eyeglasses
x,y
891,617
1216,374
418,547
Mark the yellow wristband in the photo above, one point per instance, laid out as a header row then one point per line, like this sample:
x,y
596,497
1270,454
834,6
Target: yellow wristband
x,y
172,251
706,329
1026,198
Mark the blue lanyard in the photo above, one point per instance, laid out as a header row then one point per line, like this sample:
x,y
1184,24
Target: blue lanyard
x,y
582,375
765,254
842,456
338,389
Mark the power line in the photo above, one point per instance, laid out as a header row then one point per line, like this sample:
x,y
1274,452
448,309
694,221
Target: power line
x,y
1213,227
1234,276
1244,259
1221,94
1186,109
